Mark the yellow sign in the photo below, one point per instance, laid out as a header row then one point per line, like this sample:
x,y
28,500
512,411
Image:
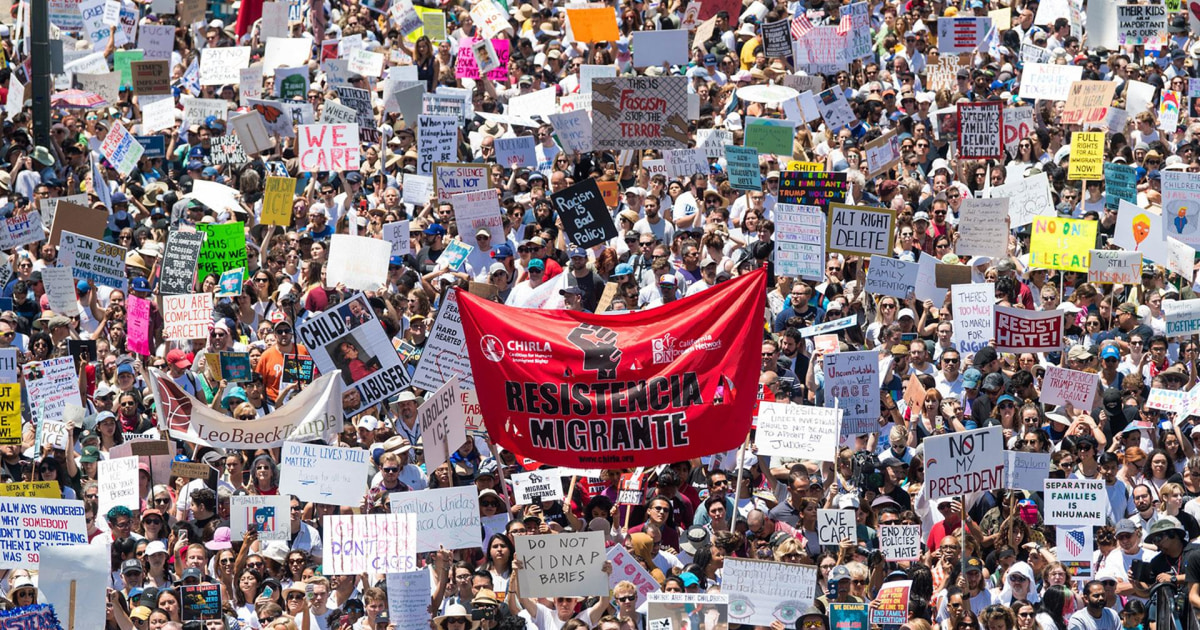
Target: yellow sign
x,y
420,32
10,414
808,167
1087,156
35,489
1065,244
277,201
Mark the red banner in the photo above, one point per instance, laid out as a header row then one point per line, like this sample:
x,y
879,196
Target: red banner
x,y
637,389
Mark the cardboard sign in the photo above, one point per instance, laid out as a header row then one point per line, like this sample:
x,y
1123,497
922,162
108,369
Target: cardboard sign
x,y
445,518
443,427
980,133
1087,155
562,565
852,384
834,526
1075,502
799,431
972,308
883,153
333,147
1088,102
889,276
860,230
964,462
98,262
1114,267
983,227
376,543
187,316
190,470
79,587
757,588
1025,470
278,195
584,214
1020,330
1058,243
325,474
1061,386
639,113
900,543
28,524
151,77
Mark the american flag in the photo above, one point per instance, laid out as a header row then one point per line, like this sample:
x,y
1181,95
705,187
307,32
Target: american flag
x,y
844,25
801,26
965,32
1074,542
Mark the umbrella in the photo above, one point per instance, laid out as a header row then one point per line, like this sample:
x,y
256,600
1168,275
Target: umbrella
x,y
767,93
77,98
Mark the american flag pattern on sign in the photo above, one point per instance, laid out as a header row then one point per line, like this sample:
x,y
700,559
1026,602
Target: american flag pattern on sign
x,y
1074,542
964,32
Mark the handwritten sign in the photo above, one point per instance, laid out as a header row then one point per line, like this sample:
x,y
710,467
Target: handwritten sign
x,y
369,543
639,113
324,474
964,462
329,147
1114,267
799,241
757,588
27,524
562,565
1062,386
860,230
980,130
852,384
445,517
889,276
1025,470
1058,243
972,308
983,227
834,526
93,260
900,543
800,431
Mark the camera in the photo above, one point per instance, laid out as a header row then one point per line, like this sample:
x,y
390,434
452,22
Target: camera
x,y
483,613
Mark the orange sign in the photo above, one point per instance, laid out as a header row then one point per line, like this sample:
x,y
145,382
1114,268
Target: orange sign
x,y
609,191
593,25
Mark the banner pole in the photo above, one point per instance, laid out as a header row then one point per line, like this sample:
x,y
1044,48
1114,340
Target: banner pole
x,y
570,492
962,543
737,488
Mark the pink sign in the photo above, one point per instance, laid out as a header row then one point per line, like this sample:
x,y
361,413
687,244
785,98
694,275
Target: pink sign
x,y
139,324
466,68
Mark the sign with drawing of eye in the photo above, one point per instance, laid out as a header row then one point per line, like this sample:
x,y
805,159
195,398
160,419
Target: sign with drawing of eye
x,y
762,592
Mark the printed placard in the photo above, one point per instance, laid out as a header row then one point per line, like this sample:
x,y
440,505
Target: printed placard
x,y
1020,330
1061,386
964,462
1075,502
531,488
890,607
860,230
962,34
268,516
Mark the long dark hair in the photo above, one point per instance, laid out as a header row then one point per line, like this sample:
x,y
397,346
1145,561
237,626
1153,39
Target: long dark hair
x,y
487,551
1054,602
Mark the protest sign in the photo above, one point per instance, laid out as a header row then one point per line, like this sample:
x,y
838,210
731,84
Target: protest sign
x,y
536,486
1180,258
375,543
900,543
882,153
80,219
187,316
1061,386
799,241
27,524
324,474
358,262
852,384
1138,230
1018,124
574,130
97,262
278,195
1048,81
834,109
589,25
1088,102
51,386
639,113
890,607
228,149
1025,470
666,611
137,312
1180,213
961,34
409,594
1169,400
151,77
476,209
118,483
235,366
516,152
224,248
79,585
10,413
60,290
443,427
1075,549
889,276
348,337
743,167
972,308
437,139
562,565
329,147
1020,330
1027,199
121,149
848,615
626,568
983,227
450,179
1058,243
268,516
444,354
834,526
1141,24
397,233
759,591
296,369
800,431
1114,267
980,134
1075,502
860,230
584,214
1182,317
219,65
964,462
1087,155
445,517
812,188
22,229
769,135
